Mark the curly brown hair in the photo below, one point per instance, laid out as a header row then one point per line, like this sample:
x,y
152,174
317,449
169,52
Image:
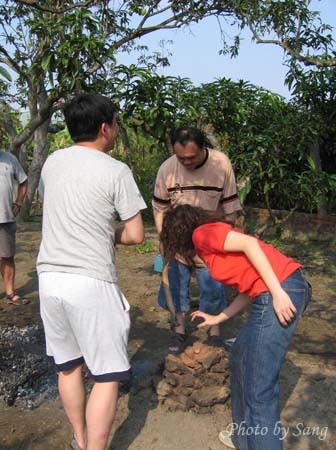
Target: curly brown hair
x,y
178,225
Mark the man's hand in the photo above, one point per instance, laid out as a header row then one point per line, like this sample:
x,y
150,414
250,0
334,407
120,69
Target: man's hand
x,y
16,208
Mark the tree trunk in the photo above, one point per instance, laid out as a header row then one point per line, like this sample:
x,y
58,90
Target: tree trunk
x,y
209,131
23,155
125,143
322,202
169,147
40,154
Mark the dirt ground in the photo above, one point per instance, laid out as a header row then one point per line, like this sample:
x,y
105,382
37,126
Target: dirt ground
x,y
308,380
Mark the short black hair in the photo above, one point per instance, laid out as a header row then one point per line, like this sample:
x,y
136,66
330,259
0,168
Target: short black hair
x,y
85,113
184,135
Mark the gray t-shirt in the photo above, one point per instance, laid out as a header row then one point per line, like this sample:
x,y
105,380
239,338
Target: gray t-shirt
x,y
82,191
10,172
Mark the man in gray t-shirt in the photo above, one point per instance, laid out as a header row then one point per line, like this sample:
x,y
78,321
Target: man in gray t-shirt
x,y
84,313
11,172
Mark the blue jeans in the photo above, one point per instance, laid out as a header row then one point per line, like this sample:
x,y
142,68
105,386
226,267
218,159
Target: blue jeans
x,y
212,293
256,359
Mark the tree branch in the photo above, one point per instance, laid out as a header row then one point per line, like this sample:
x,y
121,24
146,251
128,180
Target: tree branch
x,y
10,62
37,5
318,61
44,113
150,13
171,23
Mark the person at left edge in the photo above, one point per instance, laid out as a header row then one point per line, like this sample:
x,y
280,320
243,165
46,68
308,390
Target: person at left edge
x,y
11,171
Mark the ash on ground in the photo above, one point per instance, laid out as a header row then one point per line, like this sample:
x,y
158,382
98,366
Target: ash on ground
x,y
27,375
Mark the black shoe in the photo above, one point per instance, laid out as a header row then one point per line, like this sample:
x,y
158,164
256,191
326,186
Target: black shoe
x,y
177,343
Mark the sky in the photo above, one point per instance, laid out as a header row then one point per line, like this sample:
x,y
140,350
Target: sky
x,y
195,54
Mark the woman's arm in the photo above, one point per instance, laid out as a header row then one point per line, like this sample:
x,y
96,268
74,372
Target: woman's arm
x,y
237,305
238,242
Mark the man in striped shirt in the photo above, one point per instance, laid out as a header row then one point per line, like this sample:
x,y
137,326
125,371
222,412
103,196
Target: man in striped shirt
x,y
197,176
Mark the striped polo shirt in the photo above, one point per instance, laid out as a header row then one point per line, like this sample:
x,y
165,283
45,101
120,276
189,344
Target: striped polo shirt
x,y
211,185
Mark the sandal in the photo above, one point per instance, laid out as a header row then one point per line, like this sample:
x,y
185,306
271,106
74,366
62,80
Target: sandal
x,y
214,341
15,299
74,445
177,343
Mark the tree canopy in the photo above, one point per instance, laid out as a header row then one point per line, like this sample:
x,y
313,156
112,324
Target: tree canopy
x,y
51,49
54,48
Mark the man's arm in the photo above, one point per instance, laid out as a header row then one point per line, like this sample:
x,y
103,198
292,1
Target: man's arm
x,y
130,231
158,219
21,194
161,199
231,218
230,200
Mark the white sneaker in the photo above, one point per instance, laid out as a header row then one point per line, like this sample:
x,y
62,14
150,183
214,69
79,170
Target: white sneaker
x,y
225,438
229,342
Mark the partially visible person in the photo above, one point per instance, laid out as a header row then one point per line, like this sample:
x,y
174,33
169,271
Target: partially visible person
x,y
85,315
278,293
198,176
10,172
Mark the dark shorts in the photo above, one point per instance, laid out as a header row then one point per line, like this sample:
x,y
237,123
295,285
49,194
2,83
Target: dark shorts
x,y
7,239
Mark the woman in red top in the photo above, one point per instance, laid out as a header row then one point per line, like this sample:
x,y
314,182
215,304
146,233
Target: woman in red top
x,y
278,293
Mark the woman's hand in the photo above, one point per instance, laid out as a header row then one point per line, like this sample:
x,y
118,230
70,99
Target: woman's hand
x,y
283,307
208,319
237,305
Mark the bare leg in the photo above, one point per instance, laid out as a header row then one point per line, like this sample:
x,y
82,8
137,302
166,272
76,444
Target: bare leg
x,y
8,274
180,319
72,393
100,413
214,330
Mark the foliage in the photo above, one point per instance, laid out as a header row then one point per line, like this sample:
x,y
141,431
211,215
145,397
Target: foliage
x,y
293,26
51,50
153,104
4,73
146,247
59,140
145,157
54,49
290,24
267,139
314,91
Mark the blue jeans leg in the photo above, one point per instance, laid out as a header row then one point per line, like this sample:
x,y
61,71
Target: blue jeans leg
x,y
212,293
179,282
256,359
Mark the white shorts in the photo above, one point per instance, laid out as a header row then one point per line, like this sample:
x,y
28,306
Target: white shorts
x,y
85,320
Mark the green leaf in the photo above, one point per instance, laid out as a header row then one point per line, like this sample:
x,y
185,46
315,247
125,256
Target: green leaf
x,y
46,61
311,162
5,74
